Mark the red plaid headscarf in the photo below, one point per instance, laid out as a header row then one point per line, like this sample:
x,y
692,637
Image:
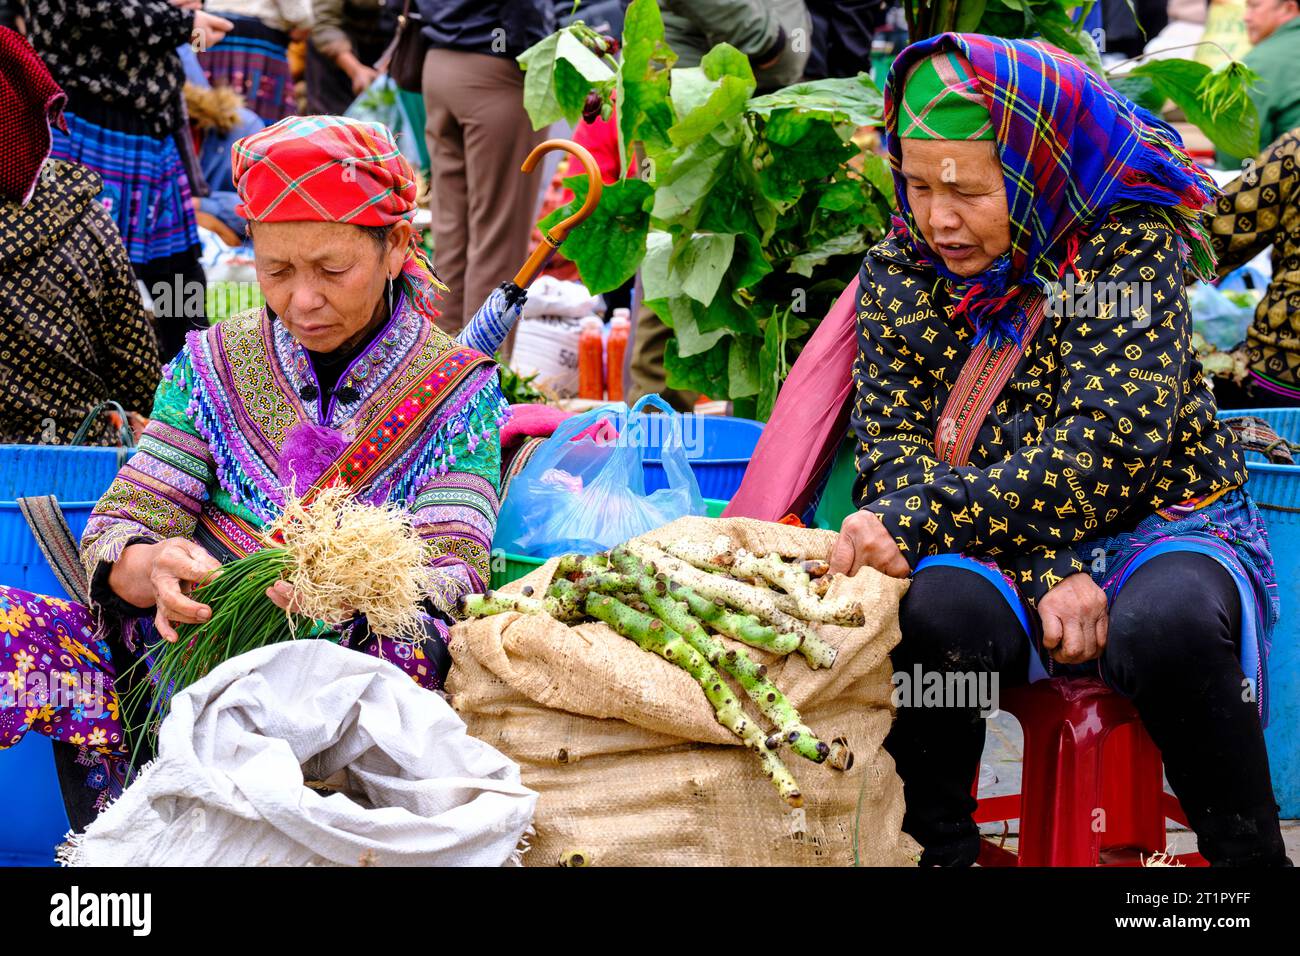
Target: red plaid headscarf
x,y
332,169
30,101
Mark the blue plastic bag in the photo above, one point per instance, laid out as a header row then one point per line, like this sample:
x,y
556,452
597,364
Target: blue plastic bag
x,y
383,103
589,495
1220,320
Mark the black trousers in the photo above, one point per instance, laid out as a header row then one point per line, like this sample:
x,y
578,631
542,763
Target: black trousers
x,y
1172,648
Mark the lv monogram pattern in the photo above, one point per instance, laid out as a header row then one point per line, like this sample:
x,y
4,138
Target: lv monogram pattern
x,y
1106,419
1257,209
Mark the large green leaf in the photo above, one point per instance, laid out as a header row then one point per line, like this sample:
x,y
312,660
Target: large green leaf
x,y
803,149
559,73
851,99
657,281
736,204
803,263
680,192
694,268
699,263
877,172
749,264
681,314
742,366
1184,81
706,373
710,95
969,14
771,365
645,112
1140,89
610,245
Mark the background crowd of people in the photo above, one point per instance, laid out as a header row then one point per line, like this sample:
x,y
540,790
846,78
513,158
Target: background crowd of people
x,y
153,93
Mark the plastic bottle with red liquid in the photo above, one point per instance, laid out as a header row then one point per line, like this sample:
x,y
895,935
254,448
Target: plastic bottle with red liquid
x,y
615,349
591,358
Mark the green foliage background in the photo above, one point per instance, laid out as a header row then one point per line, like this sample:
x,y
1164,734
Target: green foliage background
x,y
747,215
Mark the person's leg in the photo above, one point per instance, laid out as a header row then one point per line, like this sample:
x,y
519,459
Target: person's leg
x,y
953,622
1172,648
645,368
176,286
502,200
443,99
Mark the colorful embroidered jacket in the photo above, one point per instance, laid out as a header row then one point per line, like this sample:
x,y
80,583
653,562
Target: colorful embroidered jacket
x,y
209,464
1106,418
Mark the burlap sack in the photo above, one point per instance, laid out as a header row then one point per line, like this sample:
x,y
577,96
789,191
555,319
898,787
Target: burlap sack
x,y
630,761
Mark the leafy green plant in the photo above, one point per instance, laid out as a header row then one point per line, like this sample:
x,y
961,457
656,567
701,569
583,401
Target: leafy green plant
x,y
747,215
520,389
1215,101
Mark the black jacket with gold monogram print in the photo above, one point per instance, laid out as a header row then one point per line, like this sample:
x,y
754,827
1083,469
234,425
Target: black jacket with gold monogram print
x,y
1106,418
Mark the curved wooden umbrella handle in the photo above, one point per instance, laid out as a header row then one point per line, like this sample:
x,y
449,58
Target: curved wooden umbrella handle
x,y
560,231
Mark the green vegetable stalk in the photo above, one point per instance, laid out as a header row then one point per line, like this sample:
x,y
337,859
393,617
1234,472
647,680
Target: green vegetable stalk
x,y
652,635
751,676
756,601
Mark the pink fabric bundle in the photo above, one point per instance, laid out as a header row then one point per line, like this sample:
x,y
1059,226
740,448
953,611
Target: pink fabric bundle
x,y
808,423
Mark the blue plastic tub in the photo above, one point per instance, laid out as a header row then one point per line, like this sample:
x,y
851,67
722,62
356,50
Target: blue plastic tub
x,y
32,817
77,476
1276,489
718,449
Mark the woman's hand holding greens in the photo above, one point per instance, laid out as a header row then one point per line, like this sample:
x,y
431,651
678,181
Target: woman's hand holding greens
x,y
163,574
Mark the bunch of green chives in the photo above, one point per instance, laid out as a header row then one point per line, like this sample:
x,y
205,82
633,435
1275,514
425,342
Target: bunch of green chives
x,y
243,619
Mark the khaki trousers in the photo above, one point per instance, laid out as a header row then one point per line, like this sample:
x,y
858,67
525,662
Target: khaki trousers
x,y
483,206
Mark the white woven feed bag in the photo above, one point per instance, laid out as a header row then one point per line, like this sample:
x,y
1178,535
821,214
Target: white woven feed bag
x,y
227,787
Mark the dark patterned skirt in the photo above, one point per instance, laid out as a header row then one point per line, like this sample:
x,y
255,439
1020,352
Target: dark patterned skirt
x,y
253,60
146,189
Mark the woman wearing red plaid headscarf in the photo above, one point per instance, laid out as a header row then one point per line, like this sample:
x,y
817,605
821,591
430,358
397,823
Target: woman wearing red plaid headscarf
x,y
342,377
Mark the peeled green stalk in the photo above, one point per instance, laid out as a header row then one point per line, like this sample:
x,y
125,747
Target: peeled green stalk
x,y
751,676
651,634
757,601
800,599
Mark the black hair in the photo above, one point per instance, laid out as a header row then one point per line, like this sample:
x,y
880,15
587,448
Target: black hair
x,y
379,234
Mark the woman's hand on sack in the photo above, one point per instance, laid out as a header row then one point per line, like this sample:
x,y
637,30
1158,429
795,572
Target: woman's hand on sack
x,y
1075,617
864,541
163,574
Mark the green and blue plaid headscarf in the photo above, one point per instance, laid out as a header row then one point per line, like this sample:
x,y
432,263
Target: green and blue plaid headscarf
x,y
942,100
1071,148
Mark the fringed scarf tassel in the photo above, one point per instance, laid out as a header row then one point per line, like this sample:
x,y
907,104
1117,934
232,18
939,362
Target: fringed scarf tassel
x,y
1163,161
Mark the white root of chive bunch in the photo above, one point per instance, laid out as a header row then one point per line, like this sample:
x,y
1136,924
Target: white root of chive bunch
x,y
347,555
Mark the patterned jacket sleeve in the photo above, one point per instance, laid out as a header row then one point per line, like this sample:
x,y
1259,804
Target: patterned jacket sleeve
x,y
142,23
125,343
1097,451
456,512
893,409
160,490
1249,216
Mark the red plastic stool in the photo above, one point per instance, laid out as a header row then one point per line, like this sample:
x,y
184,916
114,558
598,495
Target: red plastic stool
x,y
1091,790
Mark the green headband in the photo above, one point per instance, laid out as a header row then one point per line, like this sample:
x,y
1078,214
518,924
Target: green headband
x,y
941,101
